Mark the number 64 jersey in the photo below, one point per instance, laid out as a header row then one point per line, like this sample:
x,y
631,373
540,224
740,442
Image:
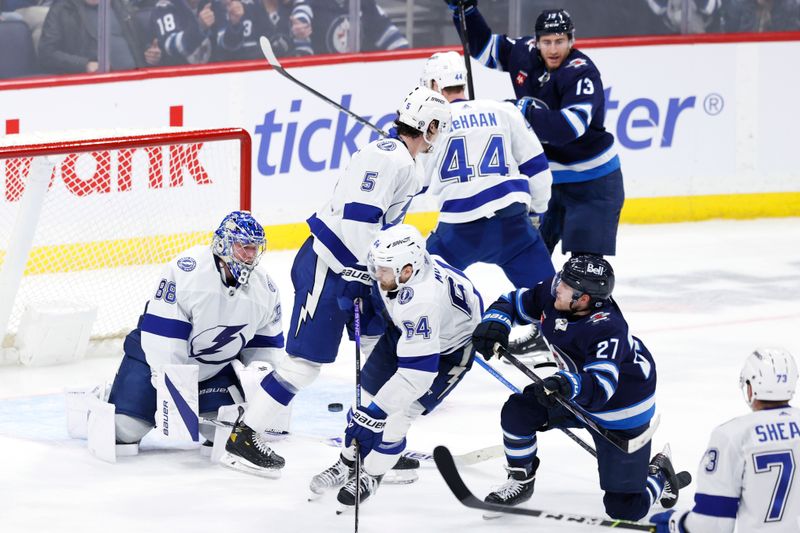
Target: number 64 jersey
x,y
748,476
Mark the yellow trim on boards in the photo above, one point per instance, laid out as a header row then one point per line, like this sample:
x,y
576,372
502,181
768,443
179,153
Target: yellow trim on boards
x,y
140,251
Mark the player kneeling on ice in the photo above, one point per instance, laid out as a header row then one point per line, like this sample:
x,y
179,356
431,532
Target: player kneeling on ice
x,y
212,308
605,370
421,356
746,476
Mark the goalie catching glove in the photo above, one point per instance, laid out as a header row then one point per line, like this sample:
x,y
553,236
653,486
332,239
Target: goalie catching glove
x,y
365,425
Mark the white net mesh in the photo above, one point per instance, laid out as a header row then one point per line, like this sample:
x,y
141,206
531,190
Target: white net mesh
x,y
112,216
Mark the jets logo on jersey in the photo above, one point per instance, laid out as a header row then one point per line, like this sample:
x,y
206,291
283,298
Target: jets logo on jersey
x,y
598,317
217,345
387,146
406,293
187,264
521,77
577,63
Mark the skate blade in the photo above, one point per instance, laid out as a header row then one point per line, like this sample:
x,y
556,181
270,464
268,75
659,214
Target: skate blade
x,y
344,509
242,466
400,477
313,496
488,515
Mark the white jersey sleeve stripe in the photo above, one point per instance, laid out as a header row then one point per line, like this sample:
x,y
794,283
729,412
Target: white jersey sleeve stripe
x,y
166,327
533,166
719,506
575,121
359,212
332,242
488,56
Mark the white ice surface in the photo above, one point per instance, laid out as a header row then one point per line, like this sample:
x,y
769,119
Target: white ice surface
x,y
701,296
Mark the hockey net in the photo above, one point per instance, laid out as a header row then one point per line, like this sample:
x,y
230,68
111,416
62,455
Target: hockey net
x,y
118,206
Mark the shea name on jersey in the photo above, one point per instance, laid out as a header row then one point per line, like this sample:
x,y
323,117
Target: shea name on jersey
x,y
777,431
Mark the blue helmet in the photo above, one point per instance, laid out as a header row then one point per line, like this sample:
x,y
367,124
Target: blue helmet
x,y
240,228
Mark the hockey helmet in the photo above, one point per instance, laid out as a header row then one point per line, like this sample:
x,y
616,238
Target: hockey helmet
x,y
394,248
447,69
421,107
552,21
239,227
771,373
587,274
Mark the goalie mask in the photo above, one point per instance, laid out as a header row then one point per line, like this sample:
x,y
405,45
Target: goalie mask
x,y
771,373
587,274
446,69
239,242
421,108
396,247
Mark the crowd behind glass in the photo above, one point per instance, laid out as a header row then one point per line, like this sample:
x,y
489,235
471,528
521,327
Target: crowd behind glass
x,y
40,37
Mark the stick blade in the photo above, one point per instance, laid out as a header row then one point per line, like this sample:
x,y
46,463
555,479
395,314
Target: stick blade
x,y
266,49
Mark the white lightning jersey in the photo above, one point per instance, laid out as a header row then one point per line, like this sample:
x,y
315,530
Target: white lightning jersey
x,y
375,191
749,476
436,314
490,159
192,318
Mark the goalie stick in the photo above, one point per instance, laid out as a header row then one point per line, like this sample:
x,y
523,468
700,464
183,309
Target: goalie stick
x,y
269,55
470,458
447,468
626,445
583,444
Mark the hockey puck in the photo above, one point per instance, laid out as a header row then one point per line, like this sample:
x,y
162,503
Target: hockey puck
x,y
334,407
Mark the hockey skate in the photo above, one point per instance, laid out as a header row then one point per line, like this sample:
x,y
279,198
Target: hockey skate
x,y
332,477
403,472
347,494
673,483
530,347
516,490
247,451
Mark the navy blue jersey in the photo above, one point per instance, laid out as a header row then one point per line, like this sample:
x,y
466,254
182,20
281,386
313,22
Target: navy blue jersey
x,y
179,34
613,373
330,22
569,111
240,41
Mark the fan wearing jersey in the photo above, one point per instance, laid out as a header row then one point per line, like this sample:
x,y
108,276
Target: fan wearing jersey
x,y
560,93
329,271
489,175
604,370
424,353
748,477
211,306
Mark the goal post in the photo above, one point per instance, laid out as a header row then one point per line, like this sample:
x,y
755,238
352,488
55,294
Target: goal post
x,y
89,219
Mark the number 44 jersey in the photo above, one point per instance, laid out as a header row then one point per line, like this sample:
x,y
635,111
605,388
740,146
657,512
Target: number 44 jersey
x,y
748,475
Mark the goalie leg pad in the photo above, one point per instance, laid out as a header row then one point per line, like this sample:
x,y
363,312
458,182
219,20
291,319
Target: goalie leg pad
x,y
77,401
130,430
177,402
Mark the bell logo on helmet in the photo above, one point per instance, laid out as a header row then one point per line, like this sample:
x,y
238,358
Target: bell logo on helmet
x,y
592,269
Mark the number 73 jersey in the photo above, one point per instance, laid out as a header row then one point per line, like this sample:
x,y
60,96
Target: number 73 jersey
x,y
748,475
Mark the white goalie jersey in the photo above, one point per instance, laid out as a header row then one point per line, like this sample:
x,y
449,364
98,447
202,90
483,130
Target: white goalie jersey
x,y
436,314
748,477
490,159
375,191
192,318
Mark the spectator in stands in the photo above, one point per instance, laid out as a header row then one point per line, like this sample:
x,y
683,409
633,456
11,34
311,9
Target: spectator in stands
x,y
69,38
322,27
760,15
33,12
702,15
184,29
246,21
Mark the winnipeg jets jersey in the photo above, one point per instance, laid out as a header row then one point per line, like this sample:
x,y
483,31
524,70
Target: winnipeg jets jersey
x,y
489,160
436,314
192,318
748,476
375,191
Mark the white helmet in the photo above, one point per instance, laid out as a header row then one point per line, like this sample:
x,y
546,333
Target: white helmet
x,y
446,69
771,373
395,247
421,107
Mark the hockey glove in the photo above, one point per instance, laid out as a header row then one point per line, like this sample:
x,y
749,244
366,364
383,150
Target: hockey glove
x,y
493,329
524,104
468,5
668,522
563,383
366,427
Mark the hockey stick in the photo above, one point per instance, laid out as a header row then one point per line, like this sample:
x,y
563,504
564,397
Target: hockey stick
x,y
465,48
511,386
269,55
449,471
626,445
357,335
